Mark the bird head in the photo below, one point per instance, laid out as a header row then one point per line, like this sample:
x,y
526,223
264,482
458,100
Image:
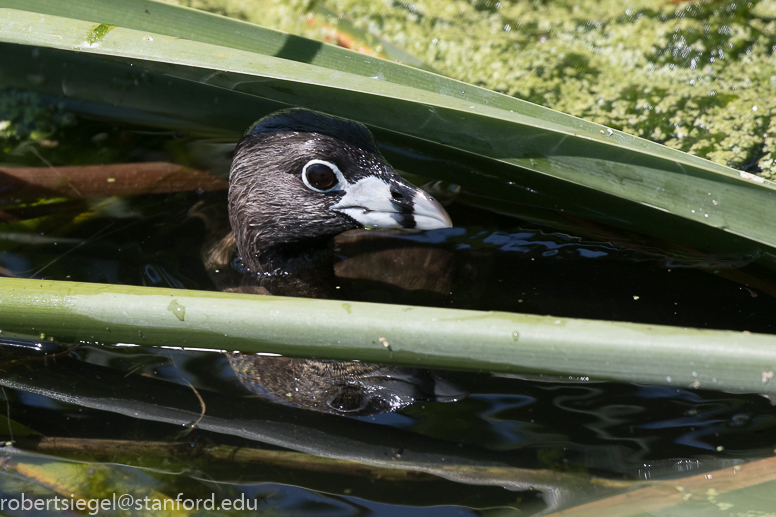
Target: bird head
x,y
300,175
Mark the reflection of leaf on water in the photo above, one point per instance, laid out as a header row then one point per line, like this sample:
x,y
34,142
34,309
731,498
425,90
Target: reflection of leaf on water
x,y
48,217
164,472
121,179
177,457
12,429
357,445
209,460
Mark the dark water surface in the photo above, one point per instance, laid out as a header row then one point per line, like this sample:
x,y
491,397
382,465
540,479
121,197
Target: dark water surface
x,y
487,262
494,263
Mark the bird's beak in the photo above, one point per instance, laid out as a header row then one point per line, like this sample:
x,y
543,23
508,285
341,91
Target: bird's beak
x,y
376,203
428,213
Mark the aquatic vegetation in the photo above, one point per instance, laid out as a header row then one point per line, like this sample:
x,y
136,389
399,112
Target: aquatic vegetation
x,y
26,118
696,76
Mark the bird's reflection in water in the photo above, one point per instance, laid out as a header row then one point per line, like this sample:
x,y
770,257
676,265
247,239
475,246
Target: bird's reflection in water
x,y
340,387
298,179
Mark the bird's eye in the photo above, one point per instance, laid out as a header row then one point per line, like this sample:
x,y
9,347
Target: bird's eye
x,y
321,176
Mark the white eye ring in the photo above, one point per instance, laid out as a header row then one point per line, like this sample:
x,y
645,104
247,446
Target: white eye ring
x,y
340,178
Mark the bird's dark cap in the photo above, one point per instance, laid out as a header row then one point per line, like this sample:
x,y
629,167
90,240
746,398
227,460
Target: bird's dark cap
x,y
308,121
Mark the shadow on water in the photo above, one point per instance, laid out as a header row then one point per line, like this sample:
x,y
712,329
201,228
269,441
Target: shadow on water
x,y
442,442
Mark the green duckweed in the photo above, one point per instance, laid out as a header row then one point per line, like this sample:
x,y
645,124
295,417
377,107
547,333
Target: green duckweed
x,y
696,76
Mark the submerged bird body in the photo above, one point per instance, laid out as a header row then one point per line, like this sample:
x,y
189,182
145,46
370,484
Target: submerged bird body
x,y
298,179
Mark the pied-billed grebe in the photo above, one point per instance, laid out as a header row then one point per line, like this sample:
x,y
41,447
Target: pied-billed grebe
x,y
298,179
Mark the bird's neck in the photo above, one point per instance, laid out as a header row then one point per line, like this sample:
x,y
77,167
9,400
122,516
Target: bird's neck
x,y
283,259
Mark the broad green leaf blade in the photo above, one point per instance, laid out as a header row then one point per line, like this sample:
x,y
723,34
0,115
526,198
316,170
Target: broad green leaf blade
x,y
521,142
71,312
190,24
118,91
